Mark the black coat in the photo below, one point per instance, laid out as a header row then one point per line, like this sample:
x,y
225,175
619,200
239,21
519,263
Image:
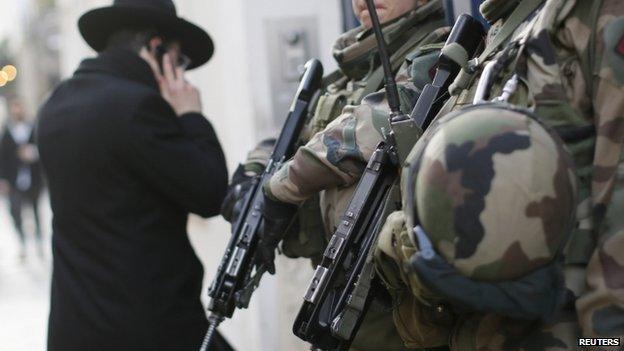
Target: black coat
x,y
10,163
124,172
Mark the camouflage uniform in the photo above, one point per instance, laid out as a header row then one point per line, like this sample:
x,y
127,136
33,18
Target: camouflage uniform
x,y
343,132
333,159
569,60
359,74
359,71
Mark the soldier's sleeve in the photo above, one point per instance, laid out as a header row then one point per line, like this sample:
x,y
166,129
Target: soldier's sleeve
x,y
333,157
601,307
337,156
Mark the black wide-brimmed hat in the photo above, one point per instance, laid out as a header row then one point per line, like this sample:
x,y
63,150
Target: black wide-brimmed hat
x,y
97,25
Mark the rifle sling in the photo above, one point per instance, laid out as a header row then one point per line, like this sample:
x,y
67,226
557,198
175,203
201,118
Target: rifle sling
x,y
517,17
375,80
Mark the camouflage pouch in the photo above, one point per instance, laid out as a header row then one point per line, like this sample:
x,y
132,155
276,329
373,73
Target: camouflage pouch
x,y
329,106
378,332
474,332
421,325
420,318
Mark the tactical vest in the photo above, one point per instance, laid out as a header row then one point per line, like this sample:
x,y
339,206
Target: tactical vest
x,y
528,73
403,35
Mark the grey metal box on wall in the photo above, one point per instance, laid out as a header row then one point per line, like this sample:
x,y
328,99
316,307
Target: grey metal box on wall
x,y
291,42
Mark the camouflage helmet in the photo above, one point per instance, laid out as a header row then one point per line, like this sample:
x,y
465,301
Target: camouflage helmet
x,y
493,189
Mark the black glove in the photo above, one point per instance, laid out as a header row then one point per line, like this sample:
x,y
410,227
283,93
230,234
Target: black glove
x,y
233,202
277,217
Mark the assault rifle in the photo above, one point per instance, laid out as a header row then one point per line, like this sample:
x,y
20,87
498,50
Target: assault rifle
x,y
237,277
343,285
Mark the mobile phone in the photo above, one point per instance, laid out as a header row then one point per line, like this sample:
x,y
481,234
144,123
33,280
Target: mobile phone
x,y
160,52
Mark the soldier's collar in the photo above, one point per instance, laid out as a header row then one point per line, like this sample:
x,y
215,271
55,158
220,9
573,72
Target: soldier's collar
x,y
354,50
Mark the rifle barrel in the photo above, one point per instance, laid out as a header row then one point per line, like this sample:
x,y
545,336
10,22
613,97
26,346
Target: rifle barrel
x,y
213,323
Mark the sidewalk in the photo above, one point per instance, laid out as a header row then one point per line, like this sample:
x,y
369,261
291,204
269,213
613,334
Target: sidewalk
x,y
24,286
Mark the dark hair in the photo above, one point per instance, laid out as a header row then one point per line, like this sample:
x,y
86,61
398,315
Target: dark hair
x,y
131,39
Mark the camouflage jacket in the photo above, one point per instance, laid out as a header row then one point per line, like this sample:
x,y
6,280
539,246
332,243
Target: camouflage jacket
x,y
333,160
359,71
569,59
334,157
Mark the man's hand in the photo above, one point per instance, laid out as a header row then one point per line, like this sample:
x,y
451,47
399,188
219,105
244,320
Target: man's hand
x,y
28,153
179,93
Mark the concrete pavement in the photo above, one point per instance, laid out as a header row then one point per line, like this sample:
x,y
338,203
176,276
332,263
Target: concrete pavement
x,y
24,285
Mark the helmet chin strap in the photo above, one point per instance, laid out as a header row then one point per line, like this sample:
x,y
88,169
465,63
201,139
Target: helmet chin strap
x,y
537,295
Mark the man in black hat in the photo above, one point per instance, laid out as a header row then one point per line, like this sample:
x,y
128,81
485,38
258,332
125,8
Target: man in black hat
x,y
128,156
20,168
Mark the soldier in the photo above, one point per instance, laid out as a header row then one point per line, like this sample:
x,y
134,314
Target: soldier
x,y
488,243
359,74
341,136
334,157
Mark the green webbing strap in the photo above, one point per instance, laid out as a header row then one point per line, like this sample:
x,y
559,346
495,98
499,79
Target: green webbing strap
x,y
588,61
332,78
326,102
375,81
324,111
517,17
456,53
398,58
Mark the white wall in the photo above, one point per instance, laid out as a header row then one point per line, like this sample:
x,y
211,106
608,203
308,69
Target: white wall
x,y
236,95
13,15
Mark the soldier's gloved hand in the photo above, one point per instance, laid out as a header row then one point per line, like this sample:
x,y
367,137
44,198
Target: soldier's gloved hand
x,y
233,202
538,295
277,217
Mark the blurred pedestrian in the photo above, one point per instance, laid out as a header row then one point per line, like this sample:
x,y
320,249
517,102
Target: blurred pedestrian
x,y
128,155
20,169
